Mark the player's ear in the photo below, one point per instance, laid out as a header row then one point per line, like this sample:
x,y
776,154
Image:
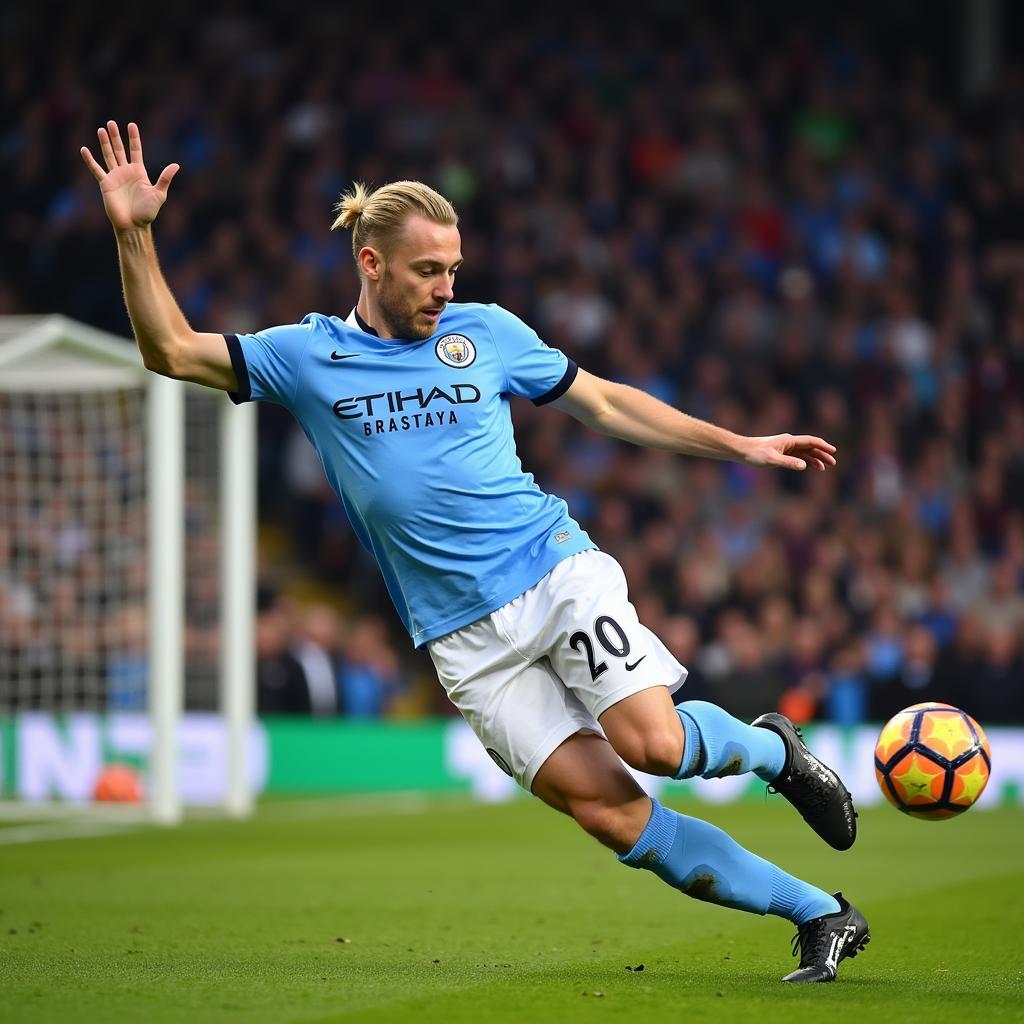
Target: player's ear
x,y
371,262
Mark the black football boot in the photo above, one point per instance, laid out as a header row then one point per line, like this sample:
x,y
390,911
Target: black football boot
x,y
812,787
824,942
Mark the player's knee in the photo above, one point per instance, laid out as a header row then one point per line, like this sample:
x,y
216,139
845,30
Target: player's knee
x,y
659,752
607,824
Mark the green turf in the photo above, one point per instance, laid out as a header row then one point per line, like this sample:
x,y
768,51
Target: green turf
x,y
464,913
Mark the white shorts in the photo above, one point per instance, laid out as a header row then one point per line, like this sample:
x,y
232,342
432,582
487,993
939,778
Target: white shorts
x,y
549,663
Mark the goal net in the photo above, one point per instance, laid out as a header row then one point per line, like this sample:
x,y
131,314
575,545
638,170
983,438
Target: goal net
x,y
126,578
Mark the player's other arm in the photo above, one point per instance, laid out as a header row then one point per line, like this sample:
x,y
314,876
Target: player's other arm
x,y
632,415
168,344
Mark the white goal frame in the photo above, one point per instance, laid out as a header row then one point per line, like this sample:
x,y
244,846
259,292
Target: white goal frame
x,y
54,354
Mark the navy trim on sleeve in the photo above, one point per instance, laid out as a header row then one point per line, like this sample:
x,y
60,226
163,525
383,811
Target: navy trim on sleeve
x,y
244,392
561,387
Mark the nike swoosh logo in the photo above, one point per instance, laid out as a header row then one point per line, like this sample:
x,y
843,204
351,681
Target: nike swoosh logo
x,y
629,668
347,355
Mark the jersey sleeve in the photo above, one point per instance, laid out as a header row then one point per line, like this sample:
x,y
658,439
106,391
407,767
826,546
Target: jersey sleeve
x,y
533,369
266,363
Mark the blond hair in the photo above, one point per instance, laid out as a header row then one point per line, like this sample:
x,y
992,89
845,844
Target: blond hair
x,y
376,216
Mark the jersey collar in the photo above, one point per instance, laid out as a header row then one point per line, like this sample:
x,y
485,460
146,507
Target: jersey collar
x,y
355,320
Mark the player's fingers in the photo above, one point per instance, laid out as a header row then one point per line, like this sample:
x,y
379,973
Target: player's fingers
x,y
810,441
787,461
115,141
90,161
818,453
804,446
106,149
166,177
134,143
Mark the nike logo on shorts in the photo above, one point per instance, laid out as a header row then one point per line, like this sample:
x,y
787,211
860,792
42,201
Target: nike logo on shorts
x,y
629,668
347,355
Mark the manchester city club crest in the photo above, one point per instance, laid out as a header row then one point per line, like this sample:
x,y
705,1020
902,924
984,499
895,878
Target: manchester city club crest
x,y
455,350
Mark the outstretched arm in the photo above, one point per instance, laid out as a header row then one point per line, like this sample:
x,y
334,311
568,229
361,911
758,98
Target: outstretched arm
x,y
633,415
167,343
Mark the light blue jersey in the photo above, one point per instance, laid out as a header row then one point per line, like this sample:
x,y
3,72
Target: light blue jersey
x,y
416,439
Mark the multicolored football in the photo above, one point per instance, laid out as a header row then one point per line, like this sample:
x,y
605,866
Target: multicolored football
x,y
932,761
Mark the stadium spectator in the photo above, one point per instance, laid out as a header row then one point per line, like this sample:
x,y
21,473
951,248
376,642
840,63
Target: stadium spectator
x,y
315,648
370,677
281,683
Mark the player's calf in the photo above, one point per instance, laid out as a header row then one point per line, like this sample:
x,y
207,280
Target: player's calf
x,y
586,780
645,731
656,753
613,825
652,735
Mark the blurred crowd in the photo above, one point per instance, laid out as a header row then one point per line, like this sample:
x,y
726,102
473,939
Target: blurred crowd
x,y
788,225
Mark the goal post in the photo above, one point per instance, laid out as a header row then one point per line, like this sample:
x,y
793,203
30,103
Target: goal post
x,y
166,593
238,589
127,545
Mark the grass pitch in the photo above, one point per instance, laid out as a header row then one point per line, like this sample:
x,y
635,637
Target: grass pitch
x,y
402,909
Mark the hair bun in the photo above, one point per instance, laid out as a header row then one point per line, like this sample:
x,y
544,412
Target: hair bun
x,y
351,206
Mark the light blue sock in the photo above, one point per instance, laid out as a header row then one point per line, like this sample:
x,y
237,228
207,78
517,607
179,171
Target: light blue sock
x,y
702,861
716,745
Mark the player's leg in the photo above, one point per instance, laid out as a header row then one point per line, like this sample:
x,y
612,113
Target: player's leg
x,y
536,729
623,674
702,739
697,738
584,778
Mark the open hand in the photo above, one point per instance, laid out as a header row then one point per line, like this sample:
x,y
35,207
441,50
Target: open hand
x,y
789,451
129,198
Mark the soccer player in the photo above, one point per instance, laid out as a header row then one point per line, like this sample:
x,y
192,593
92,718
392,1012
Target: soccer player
x,y
529,625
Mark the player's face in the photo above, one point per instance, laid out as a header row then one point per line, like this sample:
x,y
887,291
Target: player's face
x,y
418,277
